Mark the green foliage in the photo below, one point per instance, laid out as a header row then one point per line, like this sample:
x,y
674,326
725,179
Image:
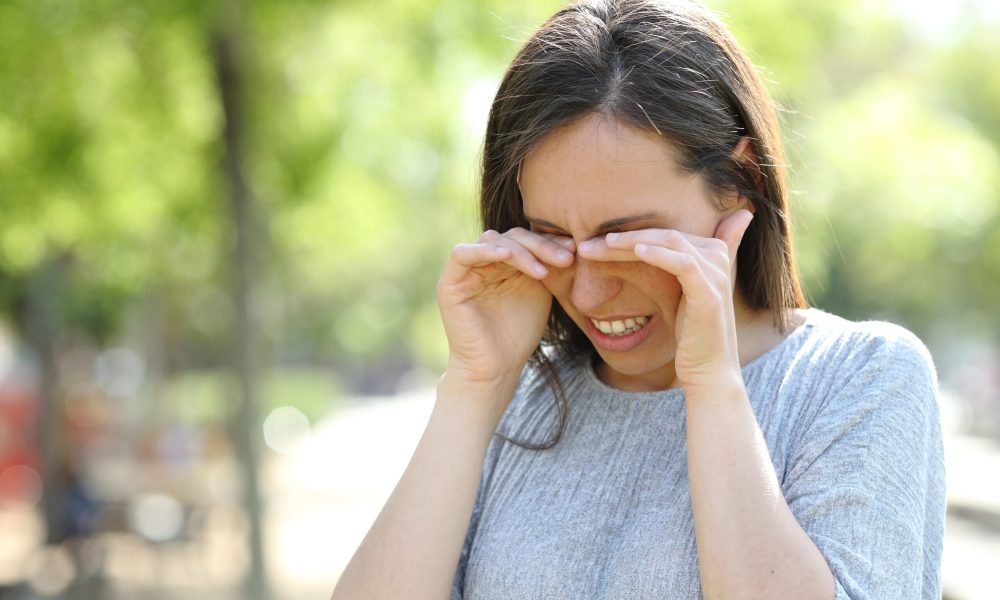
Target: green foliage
x,y
200,397
893,152
313,391
364,122
107,129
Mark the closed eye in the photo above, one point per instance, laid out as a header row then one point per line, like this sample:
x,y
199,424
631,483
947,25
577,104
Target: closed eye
x,y
541,231
605,227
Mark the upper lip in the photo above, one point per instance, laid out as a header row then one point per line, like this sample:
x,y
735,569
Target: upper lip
x,y
618,318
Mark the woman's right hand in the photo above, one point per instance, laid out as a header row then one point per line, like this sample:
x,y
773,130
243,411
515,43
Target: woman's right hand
x,y
493,303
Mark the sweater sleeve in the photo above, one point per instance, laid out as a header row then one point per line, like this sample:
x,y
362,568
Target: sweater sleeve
x,y
866,477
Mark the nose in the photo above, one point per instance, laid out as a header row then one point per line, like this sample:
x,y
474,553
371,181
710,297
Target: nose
x,y
593,285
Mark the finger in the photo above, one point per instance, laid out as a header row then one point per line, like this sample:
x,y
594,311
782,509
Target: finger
x,y
479,254
685,266
656,236
732,229
620,247
545,246
597,249
563,240
710,254
520,257
465,257
715,251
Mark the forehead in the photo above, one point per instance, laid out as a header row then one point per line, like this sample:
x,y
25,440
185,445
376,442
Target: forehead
x,y
598,169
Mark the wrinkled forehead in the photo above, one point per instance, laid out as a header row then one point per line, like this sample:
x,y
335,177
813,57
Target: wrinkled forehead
x,y
598,172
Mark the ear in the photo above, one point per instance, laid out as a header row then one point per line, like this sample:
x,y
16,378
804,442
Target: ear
x,y
745,156
743,153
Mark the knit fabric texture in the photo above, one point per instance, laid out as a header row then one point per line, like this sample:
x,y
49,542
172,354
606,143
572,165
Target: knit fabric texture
x,y
850,416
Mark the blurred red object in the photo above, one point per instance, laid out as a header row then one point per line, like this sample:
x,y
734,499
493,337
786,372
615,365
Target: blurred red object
x,y
19,458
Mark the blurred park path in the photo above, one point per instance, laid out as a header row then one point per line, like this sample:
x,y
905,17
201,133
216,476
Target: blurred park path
x,y
972,531
323,497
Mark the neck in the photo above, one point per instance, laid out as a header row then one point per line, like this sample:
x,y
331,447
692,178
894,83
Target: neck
x,y
756,330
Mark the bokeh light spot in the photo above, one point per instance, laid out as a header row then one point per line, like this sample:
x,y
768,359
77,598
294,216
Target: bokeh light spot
x,y
120,372
285,428
156,516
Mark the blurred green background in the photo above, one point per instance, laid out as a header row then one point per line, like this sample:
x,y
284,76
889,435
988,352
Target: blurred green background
x,y
223,222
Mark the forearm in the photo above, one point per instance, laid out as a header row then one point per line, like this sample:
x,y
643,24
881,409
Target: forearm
x,y
413,547
749,543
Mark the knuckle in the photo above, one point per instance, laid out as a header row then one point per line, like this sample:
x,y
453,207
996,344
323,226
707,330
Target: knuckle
x,y
687,263
720,279
518,254
671,237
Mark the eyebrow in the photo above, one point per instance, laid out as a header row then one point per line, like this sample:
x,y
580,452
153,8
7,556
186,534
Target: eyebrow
x,y
603,226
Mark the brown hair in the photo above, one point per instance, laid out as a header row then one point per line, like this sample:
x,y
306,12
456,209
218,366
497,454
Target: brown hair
x,y
667,66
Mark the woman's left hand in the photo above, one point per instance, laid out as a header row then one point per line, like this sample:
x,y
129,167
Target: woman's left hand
x,y
705,323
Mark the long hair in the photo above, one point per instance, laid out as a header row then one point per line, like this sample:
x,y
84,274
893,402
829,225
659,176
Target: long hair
x,y
665,66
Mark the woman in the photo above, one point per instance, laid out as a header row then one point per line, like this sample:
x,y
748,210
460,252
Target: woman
x,y
637,403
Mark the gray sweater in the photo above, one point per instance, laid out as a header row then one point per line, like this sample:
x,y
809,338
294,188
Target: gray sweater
x,y
850,416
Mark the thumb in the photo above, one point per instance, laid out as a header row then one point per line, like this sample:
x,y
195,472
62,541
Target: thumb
x,y
731,230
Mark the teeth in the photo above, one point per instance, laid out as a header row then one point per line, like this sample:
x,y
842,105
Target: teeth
x,y
619,328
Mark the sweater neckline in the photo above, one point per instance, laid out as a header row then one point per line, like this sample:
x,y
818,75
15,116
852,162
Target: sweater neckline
x,y
812,315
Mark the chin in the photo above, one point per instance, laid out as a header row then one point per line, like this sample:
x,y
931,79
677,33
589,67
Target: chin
x,y
636,365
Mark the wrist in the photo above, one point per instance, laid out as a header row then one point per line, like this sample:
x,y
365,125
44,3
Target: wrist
x,y
457,374
723,386
482,400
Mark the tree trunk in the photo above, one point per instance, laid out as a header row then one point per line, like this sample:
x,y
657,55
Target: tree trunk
x,y
42,326
246,428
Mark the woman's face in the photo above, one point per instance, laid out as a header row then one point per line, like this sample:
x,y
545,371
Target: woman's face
x,y
596,176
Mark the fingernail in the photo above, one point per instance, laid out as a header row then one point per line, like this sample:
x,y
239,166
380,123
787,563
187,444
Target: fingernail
x,y
585,246
613,236
540,270
562,254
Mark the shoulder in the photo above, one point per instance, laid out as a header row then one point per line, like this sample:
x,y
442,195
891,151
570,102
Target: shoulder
x,y
852,372
877,348
868,389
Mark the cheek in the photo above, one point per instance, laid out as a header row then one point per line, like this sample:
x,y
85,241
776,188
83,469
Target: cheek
x,y
559,282
659,286
637,279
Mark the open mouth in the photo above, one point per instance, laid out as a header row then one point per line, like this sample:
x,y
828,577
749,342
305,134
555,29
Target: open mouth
x,y
622,327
